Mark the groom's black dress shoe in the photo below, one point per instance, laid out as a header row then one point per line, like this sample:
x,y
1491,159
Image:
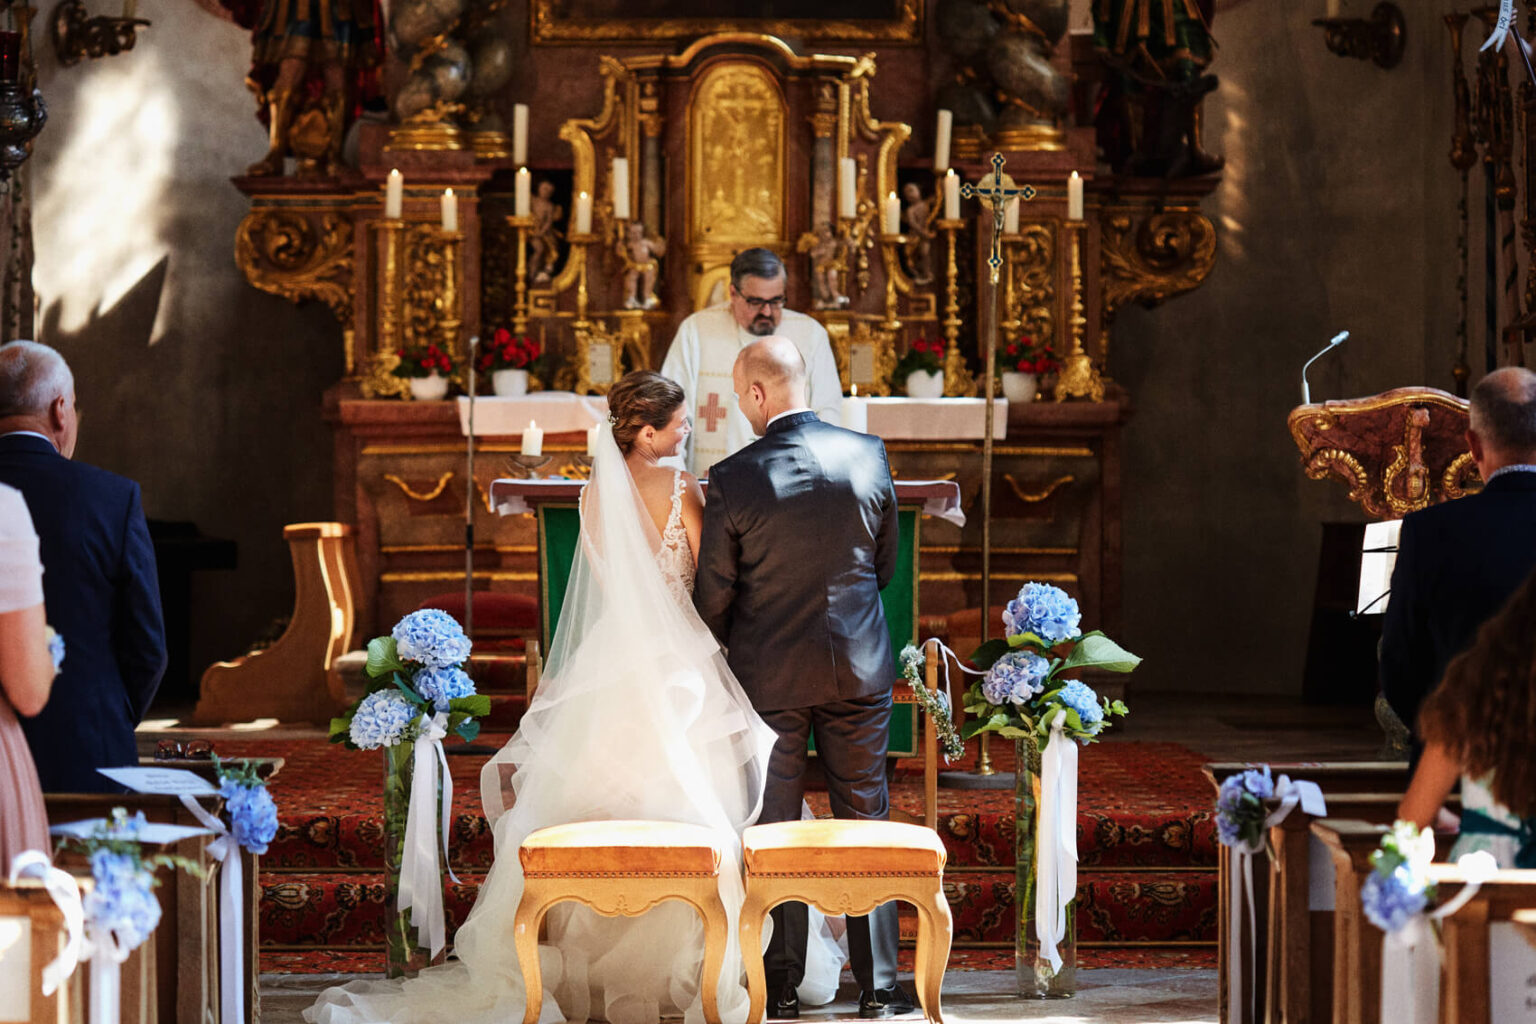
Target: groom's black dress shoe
x,y
786,1004
884,1002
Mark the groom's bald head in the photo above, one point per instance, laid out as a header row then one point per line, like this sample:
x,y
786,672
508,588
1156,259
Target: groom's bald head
x,y
769,378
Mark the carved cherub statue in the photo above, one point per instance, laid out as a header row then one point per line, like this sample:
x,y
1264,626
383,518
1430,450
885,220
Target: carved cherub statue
x,y
544,237
828,263
919,233
640,256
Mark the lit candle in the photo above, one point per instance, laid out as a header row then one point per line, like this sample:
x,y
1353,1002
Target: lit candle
x,y
394,195
892,214
592,440
620,188
1075,197
450,207
520,134
1011,217
533,440
941,141
520,196
951,195
847,195
584,214
856,412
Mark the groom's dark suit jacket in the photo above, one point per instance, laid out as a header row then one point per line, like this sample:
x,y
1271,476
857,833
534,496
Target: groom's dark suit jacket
x,y
800,534
102,596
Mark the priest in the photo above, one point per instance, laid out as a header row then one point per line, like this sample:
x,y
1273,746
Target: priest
x,y
705,348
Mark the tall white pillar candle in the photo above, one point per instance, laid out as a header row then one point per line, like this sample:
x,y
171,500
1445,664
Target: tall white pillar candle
x,y
620,188
856,412
592,440
1075,197
892,223
520,134
847,196
941,141
450,207
521,194
584,214
1333,8
394,195
1011,217
533,439
951,195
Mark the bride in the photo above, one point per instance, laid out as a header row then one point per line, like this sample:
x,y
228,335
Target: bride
x,y
637,716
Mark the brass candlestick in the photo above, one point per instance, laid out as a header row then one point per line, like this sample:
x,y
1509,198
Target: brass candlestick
x,y
893,280
449,320
1079,378
579,246
530,465
389,316
957,376
522,225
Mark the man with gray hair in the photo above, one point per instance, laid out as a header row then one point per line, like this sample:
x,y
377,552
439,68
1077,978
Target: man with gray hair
x,y
99,584
1459,561
704,351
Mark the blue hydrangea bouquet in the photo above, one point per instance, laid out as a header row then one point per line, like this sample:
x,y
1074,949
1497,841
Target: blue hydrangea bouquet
x,y
1398,888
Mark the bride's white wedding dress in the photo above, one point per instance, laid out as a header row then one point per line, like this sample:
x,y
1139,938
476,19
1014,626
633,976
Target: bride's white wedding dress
x,y
637,716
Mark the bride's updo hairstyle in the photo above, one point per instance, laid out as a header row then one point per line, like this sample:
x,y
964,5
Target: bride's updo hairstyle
x,y
642,399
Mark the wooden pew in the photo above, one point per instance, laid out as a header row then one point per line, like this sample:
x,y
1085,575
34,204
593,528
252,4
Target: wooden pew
x,y
31,936
1469,993
295,680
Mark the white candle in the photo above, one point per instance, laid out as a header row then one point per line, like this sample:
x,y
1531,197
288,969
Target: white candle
x,y
951,195
533,440
1075,197
941,141
584,214
1333,8
1011,217
592,440
394,195
856,412
892,214
520,197
847,195
520,134
450,207
620,188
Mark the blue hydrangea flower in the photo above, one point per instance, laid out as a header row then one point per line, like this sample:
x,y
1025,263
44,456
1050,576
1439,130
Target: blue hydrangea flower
x,y
381,719
252,814
440,685
1240,808
1079,696
1392,900
1043,610
1259,782
55,649
431,637
1015,678
123,898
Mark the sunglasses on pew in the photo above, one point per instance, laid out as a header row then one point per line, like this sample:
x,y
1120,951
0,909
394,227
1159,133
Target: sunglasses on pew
x,y
191,750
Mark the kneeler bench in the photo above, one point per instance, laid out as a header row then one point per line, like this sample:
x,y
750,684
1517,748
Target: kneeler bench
x,y
845,866
621,868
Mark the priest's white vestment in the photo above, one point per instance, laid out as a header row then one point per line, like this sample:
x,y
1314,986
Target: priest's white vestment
x,y
701,358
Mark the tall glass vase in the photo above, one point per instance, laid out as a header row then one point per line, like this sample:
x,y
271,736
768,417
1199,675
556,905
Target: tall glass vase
x,y
401,954
1036,978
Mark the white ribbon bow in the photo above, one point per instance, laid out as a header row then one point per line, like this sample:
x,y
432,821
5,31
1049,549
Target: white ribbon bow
x,y
1055,843
61,886
1410,956
1501,30
421,881
1289,794
106,952
226,850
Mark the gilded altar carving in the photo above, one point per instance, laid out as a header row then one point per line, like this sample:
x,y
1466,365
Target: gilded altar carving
x,y
298,254
736,156
551,24
427,282
1029,291
1152,259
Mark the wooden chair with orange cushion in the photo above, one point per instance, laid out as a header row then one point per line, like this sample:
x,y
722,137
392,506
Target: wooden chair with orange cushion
x,y
847,867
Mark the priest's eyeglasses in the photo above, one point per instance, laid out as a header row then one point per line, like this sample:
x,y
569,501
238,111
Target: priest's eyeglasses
x,y
758,305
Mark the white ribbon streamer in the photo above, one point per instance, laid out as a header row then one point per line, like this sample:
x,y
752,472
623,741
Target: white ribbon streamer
x,y
1410,957
1055,843
1501,30
226,851
1240,894
66,895
945,657
106,953
421,880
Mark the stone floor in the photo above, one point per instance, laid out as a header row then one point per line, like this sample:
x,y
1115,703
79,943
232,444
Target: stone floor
x,y
1109,996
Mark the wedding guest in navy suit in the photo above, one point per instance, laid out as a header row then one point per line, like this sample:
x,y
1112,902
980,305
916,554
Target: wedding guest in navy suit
x,y
99,584
1459,561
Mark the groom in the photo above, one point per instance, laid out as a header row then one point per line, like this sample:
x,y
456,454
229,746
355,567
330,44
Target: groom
x,y
799,536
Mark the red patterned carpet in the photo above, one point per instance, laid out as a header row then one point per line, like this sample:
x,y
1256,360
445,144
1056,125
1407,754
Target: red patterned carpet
x,y
1147,850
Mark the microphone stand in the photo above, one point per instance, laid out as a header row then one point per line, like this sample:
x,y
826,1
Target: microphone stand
x,y
469,498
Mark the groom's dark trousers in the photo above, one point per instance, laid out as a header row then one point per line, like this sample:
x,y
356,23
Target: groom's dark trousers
x,y
800,535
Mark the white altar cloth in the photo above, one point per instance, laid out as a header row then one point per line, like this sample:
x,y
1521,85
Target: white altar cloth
x,y
935,419
556,412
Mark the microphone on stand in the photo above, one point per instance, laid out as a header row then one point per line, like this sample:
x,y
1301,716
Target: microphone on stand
x,y
469,496
1337,339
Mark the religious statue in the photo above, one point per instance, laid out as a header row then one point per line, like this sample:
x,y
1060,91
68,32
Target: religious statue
x,y
919,233
333,43
828,262
640,256
1005,81
544,237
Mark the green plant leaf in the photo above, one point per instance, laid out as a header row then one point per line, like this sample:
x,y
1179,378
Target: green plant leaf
x,y
410,694
477,705
382,658
1021,639
1013,732
1099,651
985,656
341,729
468,730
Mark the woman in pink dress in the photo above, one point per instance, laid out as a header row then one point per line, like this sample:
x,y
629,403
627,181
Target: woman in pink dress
x,y
26,676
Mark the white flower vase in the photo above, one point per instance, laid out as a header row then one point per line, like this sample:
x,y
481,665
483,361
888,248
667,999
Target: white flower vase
x,y
923,384
429,389
509,383
1020,388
